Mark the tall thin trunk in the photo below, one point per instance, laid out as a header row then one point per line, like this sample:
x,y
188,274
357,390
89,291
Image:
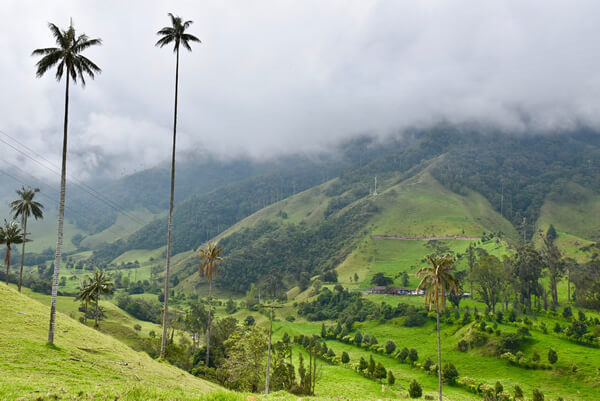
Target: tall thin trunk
x,y
439,344
163,347
61,219
96,317
269,354
23,250
7,261
208,327
87,302
568,285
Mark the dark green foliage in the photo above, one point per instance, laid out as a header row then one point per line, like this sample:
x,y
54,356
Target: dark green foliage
x,y
518,392
381,279
538,395
390,346
463,346
498,388
413,355
415,390
362,364
345,357
587,281
249,320
380,372
552,356
557,328
567,312
428,364
150,311
358,338
390,377
449,373
371,367
551,233
403,354
577,329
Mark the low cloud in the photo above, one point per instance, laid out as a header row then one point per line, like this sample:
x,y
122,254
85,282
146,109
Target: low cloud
x,y
286,76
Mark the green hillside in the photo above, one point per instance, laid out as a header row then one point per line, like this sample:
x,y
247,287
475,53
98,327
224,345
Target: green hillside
x,y
84,364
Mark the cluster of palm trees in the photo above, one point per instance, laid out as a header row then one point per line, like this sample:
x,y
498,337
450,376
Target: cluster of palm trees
x,y
71,63
90,290
13,233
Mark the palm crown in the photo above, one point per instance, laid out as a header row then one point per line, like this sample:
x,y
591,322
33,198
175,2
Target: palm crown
x,y
25,206
210,256
10,234
176,34
437,280
67,55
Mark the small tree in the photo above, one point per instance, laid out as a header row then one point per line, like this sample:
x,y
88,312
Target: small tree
x,y
498,387
362,364
552,356
380,372
538,395
390,377
390,346
449,373
345,357
403,354
413,355
518,392
323,331
428,364
415,390
358,338
371,367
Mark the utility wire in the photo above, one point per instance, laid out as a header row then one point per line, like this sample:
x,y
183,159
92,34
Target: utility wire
x,y
54,169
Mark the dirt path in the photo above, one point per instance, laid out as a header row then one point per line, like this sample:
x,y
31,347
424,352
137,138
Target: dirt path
x,y
435,237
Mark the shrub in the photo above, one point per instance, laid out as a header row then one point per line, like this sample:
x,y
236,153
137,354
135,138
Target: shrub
x,y
498,387
390,346
403,354
380,372
538,395
518,392
557,328
463,346
345,357
523,332
415,390
390,377
428,364
362,364
567,312
535,357
413,355
552,356
137,327
358,338
449,373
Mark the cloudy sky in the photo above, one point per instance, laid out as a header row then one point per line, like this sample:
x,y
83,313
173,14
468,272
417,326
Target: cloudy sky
x,y
284,76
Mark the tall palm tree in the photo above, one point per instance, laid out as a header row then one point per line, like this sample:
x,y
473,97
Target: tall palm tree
x,y
68,59
98,284
10,234
25,206
85,295
211,256
437,281
172,34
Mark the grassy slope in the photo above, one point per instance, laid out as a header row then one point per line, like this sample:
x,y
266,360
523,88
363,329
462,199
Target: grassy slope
x,y
420,206
83,360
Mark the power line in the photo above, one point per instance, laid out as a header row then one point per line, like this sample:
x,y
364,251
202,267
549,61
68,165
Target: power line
x,y
92,192
70,209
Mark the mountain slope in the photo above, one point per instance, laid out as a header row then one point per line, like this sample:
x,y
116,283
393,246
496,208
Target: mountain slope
x,y
84,364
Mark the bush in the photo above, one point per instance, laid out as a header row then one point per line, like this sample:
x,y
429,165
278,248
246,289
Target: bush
x,y
538,395
428,364
345,357
415,390
413,355
518,392
552,356
390,377
402,354
567,312
535,357
463,346
449,373
498,387
390,346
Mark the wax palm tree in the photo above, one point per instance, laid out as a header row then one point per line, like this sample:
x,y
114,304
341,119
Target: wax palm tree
x,y
25,206
211,256
437,281
172,34
10,234
70,62
85,295
98,284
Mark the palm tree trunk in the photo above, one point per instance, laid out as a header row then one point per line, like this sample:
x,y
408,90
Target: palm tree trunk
x,y
269,354
23,251
439,344
7,262
163,347
61,219
96,314
208,327
87,302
